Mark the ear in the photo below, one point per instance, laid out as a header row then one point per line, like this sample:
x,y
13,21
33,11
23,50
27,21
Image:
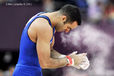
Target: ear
x,y
64,18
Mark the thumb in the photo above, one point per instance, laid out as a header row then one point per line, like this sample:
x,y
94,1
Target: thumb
x,y
84,54
73,53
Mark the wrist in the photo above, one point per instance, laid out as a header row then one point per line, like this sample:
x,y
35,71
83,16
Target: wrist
x,y
70,61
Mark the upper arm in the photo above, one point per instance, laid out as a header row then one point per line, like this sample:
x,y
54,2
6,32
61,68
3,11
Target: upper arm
x,y
44,35
43,50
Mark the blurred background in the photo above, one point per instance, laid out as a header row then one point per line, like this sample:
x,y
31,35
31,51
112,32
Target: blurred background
x,y
95,36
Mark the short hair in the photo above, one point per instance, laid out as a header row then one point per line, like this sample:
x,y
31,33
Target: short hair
x,y
72,12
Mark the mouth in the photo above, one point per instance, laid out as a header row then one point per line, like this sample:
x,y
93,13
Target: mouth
x,y
66,30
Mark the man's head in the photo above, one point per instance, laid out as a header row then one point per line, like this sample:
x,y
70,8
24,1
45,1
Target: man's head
x,y
70,18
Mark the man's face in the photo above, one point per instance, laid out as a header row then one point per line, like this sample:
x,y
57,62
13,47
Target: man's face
x,y
70,26
66,27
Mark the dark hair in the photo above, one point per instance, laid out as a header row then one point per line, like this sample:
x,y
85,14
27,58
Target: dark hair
x,y
72,12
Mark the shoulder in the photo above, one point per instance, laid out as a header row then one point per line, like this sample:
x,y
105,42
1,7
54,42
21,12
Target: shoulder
x,y
43,28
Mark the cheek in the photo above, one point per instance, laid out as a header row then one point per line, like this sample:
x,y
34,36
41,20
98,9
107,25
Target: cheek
x,y
61,26
67,30
65,26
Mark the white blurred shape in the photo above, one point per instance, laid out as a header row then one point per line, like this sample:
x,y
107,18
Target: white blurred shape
x,y
7,57
98,44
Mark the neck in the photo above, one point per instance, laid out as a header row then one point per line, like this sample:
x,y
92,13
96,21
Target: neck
x,y
54,17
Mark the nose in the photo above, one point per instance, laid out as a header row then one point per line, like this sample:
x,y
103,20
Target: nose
x,y
67,30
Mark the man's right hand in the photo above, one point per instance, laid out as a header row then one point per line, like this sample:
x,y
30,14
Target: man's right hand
x,y
80,60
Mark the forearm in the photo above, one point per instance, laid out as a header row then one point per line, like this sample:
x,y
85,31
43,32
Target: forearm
x,y
55,54
56,60
56,63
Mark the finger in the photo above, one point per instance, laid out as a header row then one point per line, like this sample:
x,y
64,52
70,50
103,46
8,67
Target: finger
x,y
78,67
85,65
84,54
73,53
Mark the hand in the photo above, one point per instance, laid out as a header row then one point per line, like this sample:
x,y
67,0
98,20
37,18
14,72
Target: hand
x,y
85,64
80,60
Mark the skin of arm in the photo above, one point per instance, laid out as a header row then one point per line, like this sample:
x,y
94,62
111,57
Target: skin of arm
x,y
76,57
54,53
44,34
